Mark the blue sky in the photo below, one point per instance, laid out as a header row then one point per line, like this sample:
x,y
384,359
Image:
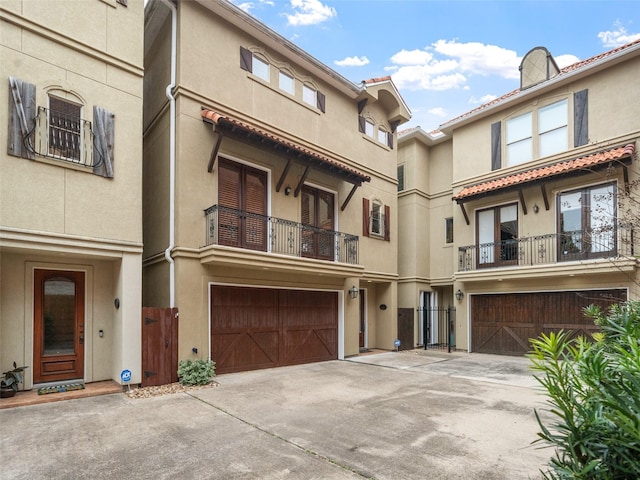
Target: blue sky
x,y
446,57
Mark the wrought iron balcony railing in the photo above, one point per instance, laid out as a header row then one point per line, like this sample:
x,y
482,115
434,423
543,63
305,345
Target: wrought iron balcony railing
x,y
237,228
609,242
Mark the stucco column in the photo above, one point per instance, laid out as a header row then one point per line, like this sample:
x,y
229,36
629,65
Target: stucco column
x,y
127,324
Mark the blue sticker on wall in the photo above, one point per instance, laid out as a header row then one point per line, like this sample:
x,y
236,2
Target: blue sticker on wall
x,y
125,376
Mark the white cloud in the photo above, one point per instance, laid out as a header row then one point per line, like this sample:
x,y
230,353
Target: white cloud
x,y
438,112
482,100
310,12
446,65
475,57
248,6
617,37
354,61
411,57
422,77
565,60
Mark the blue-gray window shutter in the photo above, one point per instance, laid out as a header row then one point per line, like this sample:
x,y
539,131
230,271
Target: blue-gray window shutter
x,y
496,146
246,59
580,118
103,131
22,114
321,100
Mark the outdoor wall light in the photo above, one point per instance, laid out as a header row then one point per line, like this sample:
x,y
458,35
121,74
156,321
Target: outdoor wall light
x,y
353,292
287,191
459,295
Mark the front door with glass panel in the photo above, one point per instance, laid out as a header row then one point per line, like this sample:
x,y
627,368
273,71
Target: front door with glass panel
x,y
58,327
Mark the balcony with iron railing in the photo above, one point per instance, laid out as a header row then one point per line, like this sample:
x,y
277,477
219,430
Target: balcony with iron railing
x,y
609,242
237,228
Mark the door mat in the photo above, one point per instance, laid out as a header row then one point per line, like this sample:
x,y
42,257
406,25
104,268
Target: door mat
x,y
61,388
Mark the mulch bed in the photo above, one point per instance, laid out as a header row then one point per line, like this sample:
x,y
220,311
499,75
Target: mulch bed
x,y
159,390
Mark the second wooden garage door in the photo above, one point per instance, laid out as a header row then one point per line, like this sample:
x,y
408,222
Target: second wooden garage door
x,y
504,323
254,328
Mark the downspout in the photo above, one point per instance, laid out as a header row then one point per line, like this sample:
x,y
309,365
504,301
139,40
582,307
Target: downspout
x,y
172,155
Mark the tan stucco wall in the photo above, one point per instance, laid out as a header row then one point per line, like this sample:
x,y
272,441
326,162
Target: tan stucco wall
x,y
60,216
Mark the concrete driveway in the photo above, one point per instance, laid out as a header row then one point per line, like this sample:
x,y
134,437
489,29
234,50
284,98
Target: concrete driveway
x,y
384,416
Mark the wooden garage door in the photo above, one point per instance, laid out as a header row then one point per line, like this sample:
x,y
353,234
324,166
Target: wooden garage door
x,y
504,323
254,328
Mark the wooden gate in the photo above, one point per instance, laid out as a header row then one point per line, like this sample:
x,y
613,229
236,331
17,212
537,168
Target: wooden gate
x,y
405,328
159,346
504,323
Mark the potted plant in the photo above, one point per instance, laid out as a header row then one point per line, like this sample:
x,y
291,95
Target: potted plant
x,y
10,380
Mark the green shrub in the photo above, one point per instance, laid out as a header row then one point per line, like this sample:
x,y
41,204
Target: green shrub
x,y
593,390
196,372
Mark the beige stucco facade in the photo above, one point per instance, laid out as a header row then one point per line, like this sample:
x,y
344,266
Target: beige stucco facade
x,y
463,148
57,214
181,262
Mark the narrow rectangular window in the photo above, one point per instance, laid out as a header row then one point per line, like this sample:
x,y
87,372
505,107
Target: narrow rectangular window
x,y
369,129
309,96
400,178
260,69
553,129
382,136
64,129
286,82
376,219
519,136
448,228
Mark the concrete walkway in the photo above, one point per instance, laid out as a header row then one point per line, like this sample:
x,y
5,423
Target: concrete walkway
x,y
384,416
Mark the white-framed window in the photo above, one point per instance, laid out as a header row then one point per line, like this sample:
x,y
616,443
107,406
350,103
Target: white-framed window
x,y
260,68
538,133
309,95
369,129
377,219
553,128
519,139
400,178
383,136
286,82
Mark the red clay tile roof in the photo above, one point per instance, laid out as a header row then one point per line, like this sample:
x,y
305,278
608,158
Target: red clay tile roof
x,y
582,163
329,164
563,71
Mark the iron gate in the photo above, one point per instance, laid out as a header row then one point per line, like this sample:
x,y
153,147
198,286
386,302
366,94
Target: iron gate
x,y
438,328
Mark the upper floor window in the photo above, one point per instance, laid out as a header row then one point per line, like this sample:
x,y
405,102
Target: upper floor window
x,y
260,67
541,132
369,129
376,219
58,130
448,229
64,136
553,128
383,136
519,139
286,83
309,95
400,178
